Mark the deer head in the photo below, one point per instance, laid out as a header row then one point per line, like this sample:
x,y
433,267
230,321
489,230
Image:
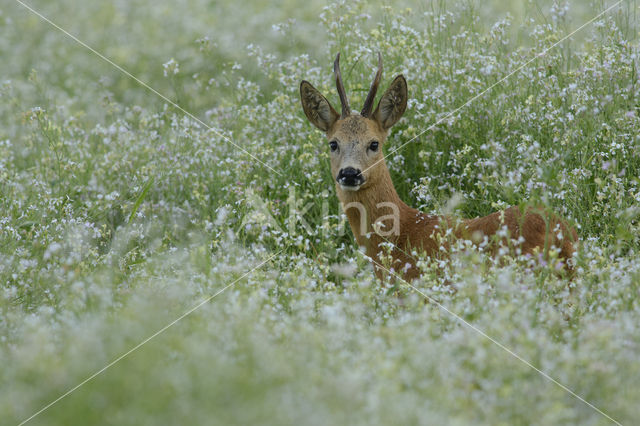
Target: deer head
x,y
355,140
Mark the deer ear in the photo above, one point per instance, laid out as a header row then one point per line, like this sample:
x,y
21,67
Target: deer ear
x,y
316,107
392,104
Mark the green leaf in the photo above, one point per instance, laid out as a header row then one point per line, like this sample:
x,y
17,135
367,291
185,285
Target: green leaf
x,y
140,198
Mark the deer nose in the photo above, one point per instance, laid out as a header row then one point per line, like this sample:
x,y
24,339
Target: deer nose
x,y
350,177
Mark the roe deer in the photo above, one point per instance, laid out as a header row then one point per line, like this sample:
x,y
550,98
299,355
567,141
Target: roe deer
x,y
375,212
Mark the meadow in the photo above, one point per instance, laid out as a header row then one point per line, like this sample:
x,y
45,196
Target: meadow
x,y
119,213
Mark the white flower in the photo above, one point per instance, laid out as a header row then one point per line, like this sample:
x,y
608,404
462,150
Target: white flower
x,y
171,67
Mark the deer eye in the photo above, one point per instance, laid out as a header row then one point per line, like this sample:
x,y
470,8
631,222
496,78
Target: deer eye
x,y
373,146
333,145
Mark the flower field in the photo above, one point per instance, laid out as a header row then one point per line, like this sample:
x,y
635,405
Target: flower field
x,y
172,250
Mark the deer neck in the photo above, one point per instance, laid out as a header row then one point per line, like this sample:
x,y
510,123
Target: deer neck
x,y
376,203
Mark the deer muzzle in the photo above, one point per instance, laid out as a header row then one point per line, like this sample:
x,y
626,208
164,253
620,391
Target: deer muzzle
x,y
350,178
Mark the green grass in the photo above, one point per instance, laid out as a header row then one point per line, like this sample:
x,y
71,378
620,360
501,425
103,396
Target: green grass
x,y
118,214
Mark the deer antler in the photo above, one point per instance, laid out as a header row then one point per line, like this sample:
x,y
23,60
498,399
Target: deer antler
x,y
368,103
343,96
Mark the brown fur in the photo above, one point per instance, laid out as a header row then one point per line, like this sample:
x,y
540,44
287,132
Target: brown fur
x,y
417,231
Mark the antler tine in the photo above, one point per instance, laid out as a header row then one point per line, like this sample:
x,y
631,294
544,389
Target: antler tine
x,y
368,103
343,96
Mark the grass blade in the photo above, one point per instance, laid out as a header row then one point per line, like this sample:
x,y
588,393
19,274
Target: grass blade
x,y
140,198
